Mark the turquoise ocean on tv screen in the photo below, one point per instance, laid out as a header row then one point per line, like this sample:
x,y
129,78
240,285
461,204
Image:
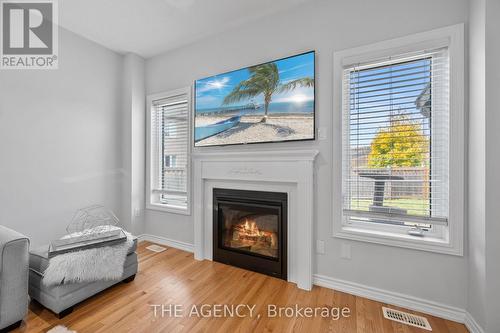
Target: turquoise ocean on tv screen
x,y
274,108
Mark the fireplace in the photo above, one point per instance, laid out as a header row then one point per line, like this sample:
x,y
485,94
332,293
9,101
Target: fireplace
x,y
250,230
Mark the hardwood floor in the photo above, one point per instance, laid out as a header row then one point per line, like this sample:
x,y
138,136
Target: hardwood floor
x,y
174,277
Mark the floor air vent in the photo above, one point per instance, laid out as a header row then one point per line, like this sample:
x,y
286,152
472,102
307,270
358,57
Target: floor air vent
x,y
407,318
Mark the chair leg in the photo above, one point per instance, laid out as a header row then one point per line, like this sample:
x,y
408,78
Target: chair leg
x,y
64,313
11,327
129,279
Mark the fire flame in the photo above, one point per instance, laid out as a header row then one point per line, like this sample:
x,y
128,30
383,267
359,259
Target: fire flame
x,y
251,229
247,233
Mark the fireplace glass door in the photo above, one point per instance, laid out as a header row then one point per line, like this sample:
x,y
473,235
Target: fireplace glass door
x,y
250,228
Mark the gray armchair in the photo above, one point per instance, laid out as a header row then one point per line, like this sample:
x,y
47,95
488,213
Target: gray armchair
x,y
14,260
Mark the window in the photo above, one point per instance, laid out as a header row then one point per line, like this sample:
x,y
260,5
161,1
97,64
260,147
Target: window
x,y
396,120
397,147
169,151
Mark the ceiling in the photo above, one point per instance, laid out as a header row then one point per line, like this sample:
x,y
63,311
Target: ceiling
x,y
150,27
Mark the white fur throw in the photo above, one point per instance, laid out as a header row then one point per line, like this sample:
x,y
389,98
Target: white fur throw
x,y
90,265
60,329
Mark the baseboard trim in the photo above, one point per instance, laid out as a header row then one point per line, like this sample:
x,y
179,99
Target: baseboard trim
x,y
389,297
472,324
167,242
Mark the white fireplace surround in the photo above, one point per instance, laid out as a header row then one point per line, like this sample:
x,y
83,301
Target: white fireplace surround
x,y
289,171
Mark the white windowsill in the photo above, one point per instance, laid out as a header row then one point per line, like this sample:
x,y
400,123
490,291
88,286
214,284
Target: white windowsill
x,y
425,243
168,209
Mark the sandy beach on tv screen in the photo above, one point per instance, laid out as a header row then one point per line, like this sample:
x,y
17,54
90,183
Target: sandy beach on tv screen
x,y
282,127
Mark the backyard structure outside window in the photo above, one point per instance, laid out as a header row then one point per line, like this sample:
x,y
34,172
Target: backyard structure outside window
x,y
395,142
169,152
169,161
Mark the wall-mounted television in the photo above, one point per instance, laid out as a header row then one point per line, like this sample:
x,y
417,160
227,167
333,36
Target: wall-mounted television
x,y
270,102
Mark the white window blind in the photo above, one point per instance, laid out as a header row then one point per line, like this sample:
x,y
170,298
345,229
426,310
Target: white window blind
x,y
396,140
170,151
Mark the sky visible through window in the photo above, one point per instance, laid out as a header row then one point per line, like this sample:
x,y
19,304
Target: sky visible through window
x,y
377,94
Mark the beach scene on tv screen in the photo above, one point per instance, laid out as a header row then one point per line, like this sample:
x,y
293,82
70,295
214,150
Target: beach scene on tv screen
x,y
269,102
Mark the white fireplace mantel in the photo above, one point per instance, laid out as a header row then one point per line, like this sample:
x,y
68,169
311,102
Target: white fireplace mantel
x,y
290,171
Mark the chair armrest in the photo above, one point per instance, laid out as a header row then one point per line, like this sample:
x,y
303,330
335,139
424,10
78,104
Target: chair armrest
x,y
14,249
7,236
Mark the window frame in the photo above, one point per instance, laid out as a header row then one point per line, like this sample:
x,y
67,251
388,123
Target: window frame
x,y
448,239
151,159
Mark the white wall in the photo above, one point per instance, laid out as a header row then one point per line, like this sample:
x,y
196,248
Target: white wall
x,y
324,26
476,304
133,142
484,180
492,165
59,139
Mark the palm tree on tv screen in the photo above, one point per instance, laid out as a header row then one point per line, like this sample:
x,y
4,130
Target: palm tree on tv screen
x,y
264,79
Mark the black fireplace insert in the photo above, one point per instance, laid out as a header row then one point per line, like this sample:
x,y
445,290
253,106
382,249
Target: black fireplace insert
x,y
250,230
